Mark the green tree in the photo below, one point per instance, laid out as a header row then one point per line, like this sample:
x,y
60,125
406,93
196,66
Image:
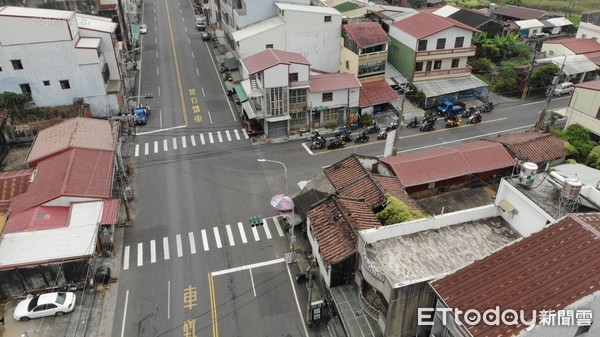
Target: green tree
x,y
593,159
542,78
514,2
482,65
396,211
578,137
13,101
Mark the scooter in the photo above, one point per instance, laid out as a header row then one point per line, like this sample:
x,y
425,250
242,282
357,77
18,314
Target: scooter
x,y
382,135
453,122
363,138
414,123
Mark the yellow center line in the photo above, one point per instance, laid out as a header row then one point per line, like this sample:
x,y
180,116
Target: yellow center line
x,y
213,305
184,109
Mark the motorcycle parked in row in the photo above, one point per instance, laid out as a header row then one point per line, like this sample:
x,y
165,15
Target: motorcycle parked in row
x,y
453,122
393,126
362,138
414,123
373,128
488,107
476,118
428,124
318,144
336,143
382,135
468,113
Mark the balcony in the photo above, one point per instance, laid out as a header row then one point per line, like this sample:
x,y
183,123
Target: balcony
x,y
365,58
445,53
441,73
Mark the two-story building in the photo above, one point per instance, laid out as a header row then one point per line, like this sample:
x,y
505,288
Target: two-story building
x,y
431,52
59,57
365,51
333,99
311,31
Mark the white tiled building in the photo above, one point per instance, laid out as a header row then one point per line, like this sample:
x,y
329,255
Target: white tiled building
x,y
59,57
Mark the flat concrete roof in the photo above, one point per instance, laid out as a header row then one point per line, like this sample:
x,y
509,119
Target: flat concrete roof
x,y
430,254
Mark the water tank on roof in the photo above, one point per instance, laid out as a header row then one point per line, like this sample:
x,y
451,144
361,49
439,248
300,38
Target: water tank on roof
x,y
527,174
571,189
492,8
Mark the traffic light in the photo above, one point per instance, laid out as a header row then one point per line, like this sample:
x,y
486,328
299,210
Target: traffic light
x,y
255,220
149,95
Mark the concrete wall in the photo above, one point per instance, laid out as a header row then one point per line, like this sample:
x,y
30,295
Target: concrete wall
x,y
276,76
402,313
348,61
341,98
555,49
450,35
257,43
323,270
302,70
402,57
583,107
588,30
108,48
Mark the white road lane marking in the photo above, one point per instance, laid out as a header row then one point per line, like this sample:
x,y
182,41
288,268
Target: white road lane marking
x,y
217,237
193,55
202,138
140,254
193,139
183,143
156,146
220,137
146,149
267,230
228,135
245,134
210,137
174,143
192,243
278,226
252,281
230,235
250,266
165,145
204,239
166,248
124,313
126,258
255,232
137,150
179,246
242,232
237,134
152,251
197,72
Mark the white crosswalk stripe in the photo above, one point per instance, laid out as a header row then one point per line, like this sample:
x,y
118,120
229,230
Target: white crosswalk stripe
x,y
228,135
153,147
140,254
165,145
193,139
217,237
174,143
242,232
220,137
192,243
278,226
230,235
245,134
204,239
126,258
237,134
152,251
265,225
179,246
166,248
146,149
183,143
210,138
202,138
156,146
137,150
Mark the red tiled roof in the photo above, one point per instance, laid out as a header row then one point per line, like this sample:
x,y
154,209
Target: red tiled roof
x,y
366,34
330,82
377,92
13,183
519,12
442,163
110,211
393,186
271,57
424,24
578,46
535,147
344,171
79,132
592,85
37,218
75,173
550,269
364,188
334,222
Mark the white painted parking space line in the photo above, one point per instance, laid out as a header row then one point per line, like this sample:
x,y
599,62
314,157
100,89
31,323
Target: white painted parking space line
x,y
146,149
126,258
156,146
217,237
137,150
174,143
245,134
140,254
237,134
210,138
228,135
255,232
192,243
278,226
166,248
202,139
179,246
204,239
152,251
307,149
220,137
230,235
183,142
267,230
242,232
193,139
165,145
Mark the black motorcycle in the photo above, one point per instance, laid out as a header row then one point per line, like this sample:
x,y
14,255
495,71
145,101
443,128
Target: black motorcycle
x,y
318,144
488,107
363,138
373,128
414,123
393,126
336,143
468,113
382,135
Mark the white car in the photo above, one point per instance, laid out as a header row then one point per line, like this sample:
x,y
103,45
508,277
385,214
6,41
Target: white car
x,y
50,304
565,88
143,29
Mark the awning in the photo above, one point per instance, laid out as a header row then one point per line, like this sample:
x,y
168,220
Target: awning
x,y
248,109
278,118
376,92
236,76
231,63
434,88
240,92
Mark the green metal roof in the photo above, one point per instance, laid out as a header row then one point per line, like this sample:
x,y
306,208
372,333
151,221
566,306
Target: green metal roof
x,y
240,92
135,32
346,6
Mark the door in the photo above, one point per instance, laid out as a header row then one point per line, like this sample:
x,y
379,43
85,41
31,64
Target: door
x,y
278,129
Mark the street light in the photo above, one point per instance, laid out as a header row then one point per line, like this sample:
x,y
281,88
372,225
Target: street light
x,y
284,171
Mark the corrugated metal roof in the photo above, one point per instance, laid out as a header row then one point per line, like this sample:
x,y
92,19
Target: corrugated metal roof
x,y
79,132
366,34
330,82
110,211
271,57
443,86
28,12
424,24
519,12
257,28
550,269
446,11
37,218
528,24
573,64
377,92
78,173
482,156
13,183
560,22
535,147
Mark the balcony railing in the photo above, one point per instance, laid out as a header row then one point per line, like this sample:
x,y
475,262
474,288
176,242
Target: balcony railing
x,y
367,307
442,72
470,49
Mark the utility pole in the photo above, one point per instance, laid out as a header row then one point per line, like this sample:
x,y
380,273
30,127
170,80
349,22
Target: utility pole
x,y
526,88
310,287
540,123
400,120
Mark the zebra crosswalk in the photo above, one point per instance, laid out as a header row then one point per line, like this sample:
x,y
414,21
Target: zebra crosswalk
x,y
153,147
215,238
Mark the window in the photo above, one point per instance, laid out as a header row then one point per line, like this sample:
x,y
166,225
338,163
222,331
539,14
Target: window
x,y
293,77
106,73
428,66
17,64
298,96
582,329
459,42
441,44
327,97
298,117
437,64
347,64
46,83
64,84
25,88
419,66
330,115
327,18
269,46
455,63
275,101
422,45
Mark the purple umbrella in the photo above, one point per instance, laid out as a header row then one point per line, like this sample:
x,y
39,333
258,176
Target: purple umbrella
x,y
282,202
